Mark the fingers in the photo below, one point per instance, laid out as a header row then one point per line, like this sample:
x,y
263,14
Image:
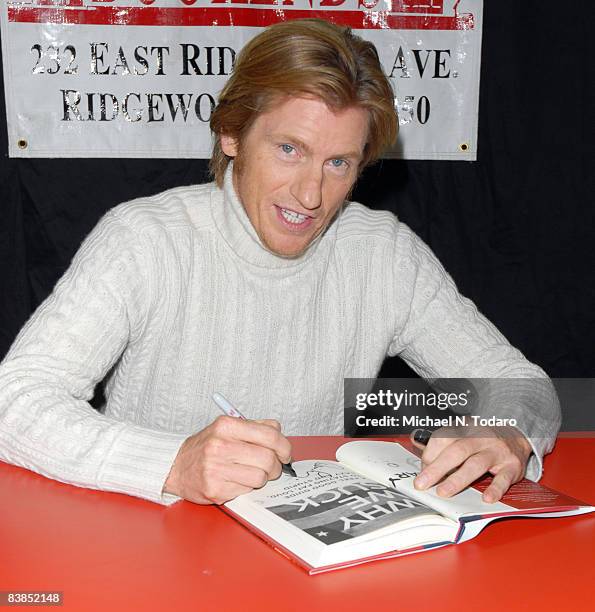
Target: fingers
x,y
434,448
499,485
473,468
239,453
264,433
229,457
220,482
270,422
454,463
442,456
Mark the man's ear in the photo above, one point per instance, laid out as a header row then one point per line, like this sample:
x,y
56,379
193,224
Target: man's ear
x,y
229,145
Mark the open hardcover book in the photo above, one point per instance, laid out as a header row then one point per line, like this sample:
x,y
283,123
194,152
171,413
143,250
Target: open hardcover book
x,y
364,507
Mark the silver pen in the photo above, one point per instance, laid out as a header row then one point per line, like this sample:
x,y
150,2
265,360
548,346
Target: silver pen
x,y
230,410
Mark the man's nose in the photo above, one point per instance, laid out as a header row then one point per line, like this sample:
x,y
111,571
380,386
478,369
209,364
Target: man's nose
x,y
307,188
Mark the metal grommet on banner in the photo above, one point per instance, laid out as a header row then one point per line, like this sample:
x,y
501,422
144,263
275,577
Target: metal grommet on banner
x,y
22,143
464,146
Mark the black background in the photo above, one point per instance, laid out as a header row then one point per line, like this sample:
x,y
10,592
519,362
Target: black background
x,y
516,229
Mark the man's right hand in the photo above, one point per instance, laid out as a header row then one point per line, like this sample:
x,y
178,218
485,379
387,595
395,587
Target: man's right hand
x,y
229,457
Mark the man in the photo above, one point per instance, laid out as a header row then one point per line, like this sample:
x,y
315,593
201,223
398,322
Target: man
x,y
265,286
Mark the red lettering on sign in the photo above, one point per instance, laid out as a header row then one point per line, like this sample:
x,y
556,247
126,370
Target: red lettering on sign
x,y
244,13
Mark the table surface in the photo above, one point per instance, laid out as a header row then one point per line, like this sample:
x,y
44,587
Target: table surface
x,y
107,551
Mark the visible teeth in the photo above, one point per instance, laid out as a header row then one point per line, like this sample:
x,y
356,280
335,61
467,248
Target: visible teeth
x,y
292,217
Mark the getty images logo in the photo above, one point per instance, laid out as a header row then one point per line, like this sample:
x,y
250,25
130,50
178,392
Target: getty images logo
x,y
411,399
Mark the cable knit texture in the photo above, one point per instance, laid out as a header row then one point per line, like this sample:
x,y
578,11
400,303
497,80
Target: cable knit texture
x,y
174,297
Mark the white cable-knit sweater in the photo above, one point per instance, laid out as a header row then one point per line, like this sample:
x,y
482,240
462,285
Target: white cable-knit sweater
x,y
174,297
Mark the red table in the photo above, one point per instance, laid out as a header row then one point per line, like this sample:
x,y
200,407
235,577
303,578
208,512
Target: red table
x,y
113,552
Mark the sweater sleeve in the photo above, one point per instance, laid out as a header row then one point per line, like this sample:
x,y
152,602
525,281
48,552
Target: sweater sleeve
x,y
64,350
442,335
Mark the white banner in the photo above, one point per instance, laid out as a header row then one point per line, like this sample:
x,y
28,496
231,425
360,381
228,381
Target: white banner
x,y
139,78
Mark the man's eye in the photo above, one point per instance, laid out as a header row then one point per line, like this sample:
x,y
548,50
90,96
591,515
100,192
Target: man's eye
x,y
287,149
338,163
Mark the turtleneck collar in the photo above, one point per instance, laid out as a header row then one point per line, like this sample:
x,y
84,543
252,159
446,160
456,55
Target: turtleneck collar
x,y
238,232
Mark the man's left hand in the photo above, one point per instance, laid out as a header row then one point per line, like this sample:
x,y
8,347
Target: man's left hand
x,y
456,462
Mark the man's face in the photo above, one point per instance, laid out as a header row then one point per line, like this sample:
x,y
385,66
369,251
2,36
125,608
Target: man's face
x,y
295,168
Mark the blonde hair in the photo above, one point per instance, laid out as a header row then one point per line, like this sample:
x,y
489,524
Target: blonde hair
x,y
305,57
